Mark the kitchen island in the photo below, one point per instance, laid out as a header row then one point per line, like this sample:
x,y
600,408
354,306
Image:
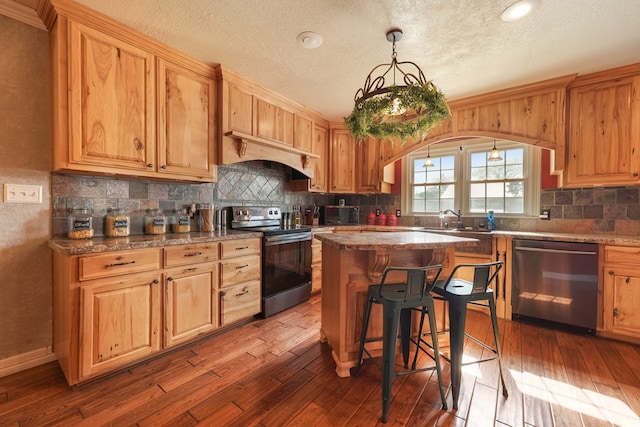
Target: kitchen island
x,y
353,261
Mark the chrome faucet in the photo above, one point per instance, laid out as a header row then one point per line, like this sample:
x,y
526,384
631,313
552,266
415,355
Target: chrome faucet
x,y
458,215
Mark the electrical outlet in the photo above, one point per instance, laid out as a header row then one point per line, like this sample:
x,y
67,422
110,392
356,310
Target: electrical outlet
x,y
18,193
545,214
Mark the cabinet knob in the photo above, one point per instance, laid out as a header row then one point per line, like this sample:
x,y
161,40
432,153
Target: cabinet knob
x,y
149,165
635,174
611,273
163,167
155,281
627,280
170,279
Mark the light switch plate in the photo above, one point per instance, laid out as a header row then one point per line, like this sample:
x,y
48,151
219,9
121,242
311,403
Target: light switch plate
x,y
19,193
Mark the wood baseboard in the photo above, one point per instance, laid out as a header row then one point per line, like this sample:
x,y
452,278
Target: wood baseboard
x,y
24,361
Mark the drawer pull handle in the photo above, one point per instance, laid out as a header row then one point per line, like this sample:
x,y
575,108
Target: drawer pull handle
x,y
193,254
117,264
241,248
244,292
238,267
188,270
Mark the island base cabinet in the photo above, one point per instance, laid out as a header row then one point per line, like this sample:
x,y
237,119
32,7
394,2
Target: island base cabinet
x,y
344,297
119,322
191,306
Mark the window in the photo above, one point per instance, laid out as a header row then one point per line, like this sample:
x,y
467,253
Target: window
x,y
462,178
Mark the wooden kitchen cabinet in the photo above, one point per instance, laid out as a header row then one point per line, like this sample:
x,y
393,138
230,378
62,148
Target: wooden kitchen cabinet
x,y
621,294
112,102
119,322
125,105
371,174
604,129
274,122
341,167
240,273
115,308
320,147
191,302
186,129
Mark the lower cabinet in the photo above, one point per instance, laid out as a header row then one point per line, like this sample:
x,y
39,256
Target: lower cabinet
x,y
119,322
115,308
621,295
190,303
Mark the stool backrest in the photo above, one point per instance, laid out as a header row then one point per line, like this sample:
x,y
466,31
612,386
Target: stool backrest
x,y
483,275
419,281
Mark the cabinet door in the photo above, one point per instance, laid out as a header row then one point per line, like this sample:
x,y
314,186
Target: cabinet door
x,y
303,133
621,301
191,306
119,322
604,133
274,123
342,162
367,165
111,102
186,131
320,146
240,110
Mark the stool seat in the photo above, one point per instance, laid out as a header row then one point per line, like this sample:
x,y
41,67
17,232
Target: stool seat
x,y
399,300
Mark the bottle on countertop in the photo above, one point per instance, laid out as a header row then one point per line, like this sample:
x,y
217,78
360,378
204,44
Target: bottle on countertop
x,y
491,222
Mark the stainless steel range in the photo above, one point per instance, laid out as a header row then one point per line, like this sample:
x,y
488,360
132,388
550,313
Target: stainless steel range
x,y
286,265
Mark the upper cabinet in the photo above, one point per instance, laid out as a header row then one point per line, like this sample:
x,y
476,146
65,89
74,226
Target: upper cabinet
x,y
186,131
125,105
341,167
257,124
371,174
603,146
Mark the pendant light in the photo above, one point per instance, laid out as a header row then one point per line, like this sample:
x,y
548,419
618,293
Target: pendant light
x,y
386,108
428,162
494,154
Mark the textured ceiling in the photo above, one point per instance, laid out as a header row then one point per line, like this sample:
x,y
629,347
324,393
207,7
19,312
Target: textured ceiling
x,y
461,44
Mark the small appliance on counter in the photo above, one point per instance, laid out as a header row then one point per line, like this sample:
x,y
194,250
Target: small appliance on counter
x,y
340,215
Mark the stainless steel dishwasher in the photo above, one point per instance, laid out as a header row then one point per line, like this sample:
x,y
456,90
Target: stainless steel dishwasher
x,y
556,282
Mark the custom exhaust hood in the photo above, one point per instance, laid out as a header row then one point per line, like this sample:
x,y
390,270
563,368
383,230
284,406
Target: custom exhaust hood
x,y
258,124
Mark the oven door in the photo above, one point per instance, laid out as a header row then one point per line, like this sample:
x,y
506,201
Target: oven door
x,y
286,277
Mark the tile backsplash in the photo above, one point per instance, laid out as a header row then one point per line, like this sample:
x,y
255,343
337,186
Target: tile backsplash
x,y
586,210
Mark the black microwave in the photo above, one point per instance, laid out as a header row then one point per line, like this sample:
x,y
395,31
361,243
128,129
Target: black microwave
x,y
341,215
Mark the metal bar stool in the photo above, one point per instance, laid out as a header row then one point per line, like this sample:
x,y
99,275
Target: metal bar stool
x,y
398,301
458,293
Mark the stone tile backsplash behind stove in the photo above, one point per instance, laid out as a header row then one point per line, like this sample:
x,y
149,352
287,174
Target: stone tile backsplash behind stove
x,y
585,210
248,183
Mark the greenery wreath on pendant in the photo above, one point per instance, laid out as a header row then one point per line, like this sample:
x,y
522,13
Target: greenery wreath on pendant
x,y
424,106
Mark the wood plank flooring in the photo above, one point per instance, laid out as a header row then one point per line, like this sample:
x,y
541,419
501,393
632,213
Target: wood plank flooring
x,y
275,372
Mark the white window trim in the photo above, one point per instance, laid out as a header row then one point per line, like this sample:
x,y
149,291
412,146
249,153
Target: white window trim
x,y
461,150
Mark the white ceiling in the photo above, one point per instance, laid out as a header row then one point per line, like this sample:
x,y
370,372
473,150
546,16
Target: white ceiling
x,y
461,44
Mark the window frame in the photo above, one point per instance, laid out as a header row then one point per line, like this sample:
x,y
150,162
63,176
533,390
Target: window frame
x,y
462,150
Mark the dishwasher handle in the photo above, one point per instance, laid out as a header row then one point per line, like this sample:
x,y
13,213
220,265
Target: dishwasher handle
x,y
554,251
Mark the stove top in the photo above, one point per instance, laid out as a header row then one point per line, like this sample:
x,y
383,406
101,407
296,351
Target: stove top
x,y
276,229
264,219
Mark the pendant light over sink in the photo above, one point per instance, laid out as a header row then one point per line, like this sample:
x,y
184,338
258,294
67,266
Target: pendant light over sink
x,y
385,108
494,154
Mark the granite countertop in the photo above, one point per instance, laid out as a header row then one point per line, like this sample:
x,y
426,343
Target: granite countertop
x,y
402,240
606,239
104,244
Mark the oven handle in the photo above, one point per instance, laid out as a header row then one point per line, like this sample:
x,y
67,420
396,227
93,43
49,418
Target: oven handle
x,y
286,238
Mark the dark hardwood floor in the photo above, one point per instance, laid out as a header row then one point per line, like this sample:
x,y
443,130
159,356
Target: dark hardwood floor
x,y
275,372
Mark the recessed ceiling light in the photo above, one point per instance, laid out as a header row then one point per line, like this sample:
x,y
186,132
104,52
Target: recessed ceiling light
x,y
309,40
519,10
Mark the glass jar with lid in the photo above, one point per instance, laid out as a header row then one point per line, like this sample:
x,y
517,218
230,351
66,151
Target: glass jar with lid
x,y
155,222
116,223
205,217
80,224
181,221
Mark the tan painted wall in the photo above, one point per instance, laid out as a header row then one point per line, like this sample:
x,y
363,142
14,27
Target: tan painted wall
x,y
25,158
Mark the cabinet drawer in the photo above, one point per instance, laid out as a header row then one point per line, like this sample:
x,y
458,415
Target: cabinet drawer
x,y
239,302
238,270
190,254
117,263
622,255
234,248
